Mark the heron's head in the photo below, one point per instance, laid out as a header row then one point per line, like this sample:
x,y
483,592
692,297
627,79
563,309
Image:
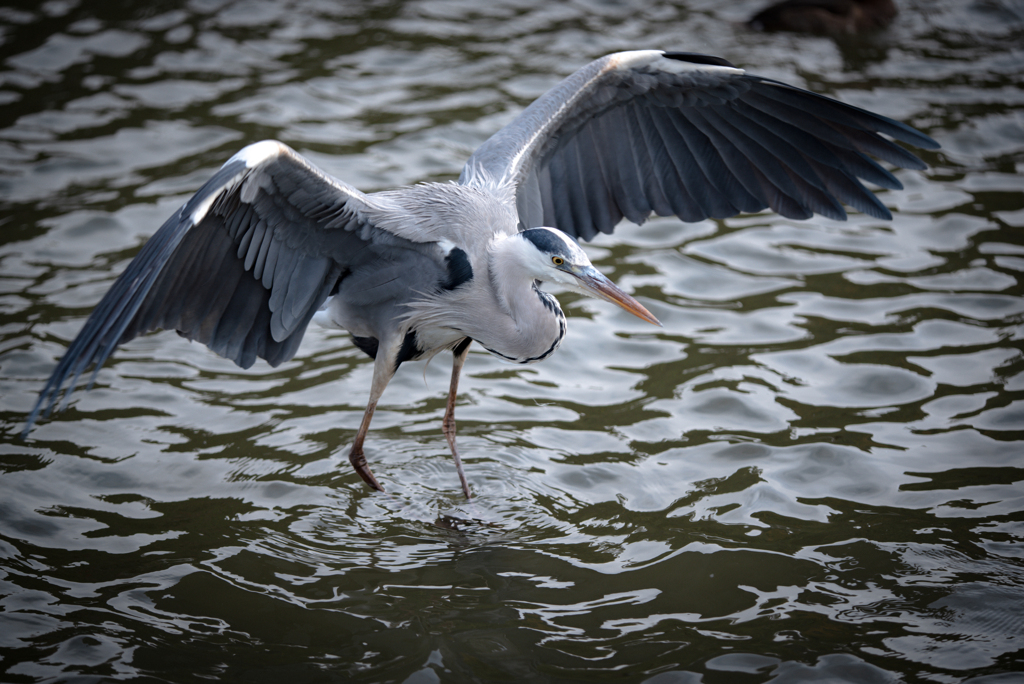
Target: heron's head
x,y
556,258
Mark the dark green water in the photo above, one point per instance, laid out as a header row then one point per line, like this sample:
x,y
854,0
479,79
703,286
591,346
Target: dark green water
x,y
813,472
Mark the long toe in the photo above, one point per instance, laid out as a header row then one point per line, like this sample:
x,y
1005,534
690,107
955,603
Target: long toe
x,y
358,461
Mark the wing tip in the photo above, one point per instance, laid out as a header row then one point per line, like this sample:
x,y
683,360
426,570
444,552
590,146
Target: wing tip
x,y
30,422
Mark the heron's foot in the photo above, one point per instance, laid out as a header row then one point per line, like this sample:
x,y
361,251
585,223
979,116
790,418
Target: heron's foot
x,y
448,428
358,461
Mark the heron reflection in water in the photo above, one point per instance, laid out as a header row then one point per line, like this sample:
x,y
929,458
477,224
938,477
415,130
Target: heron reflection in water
x,y
270,242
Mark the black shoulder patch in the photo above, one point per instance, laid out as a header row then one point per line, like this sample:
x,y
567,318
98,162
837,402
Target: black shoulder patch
x,y
459,270
697,58
410,349
461,346
367,344
337,284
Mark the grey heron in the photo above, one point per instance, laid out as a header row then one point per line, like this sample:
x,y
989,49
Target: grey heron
x,y
270,241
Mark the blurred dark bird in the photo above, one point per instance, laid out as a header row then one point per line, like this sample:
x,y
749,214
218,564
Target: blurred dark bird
x,y
825,17
271,241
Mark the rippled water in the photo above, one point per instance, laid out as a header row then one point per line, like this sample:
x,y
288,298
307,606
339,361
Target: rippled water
x,y
813,471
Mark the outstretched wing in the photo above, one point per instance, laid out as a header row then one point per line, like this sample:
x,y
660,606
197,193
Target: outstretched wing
x,y
241,267
688,135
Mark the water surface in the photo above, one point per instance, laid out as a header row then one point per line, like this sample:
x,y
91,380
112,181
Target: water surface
x,y
813,472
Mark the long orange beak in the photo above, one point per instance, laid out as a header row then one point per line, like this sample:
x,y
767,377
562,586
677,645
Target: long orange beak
x,y
596,284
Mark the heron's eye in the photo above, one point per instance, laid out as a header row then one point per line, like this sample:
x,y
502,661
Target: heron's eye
x,y
557,260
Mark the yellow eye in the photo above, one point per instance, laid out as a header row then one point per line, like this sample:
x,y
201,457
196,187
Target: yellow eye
x,y
557,261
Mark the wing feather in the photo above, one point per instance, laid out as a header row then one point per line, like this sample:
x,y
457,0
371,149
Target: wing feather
x,y
692,136
671,164
630,163
626,194
642,130
241,267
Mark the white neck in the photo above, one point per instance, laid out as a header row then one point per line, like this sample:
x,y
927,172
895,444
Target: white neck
x,y
535,323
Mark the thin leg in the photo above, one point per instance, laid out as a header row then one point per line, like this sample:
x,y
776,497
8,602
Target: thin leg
x,y
383,371
459,354
356,457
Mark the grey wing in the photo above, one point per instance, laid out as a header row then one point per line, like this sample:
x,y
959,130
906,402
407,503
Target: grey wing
x,y
688,135
241,267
